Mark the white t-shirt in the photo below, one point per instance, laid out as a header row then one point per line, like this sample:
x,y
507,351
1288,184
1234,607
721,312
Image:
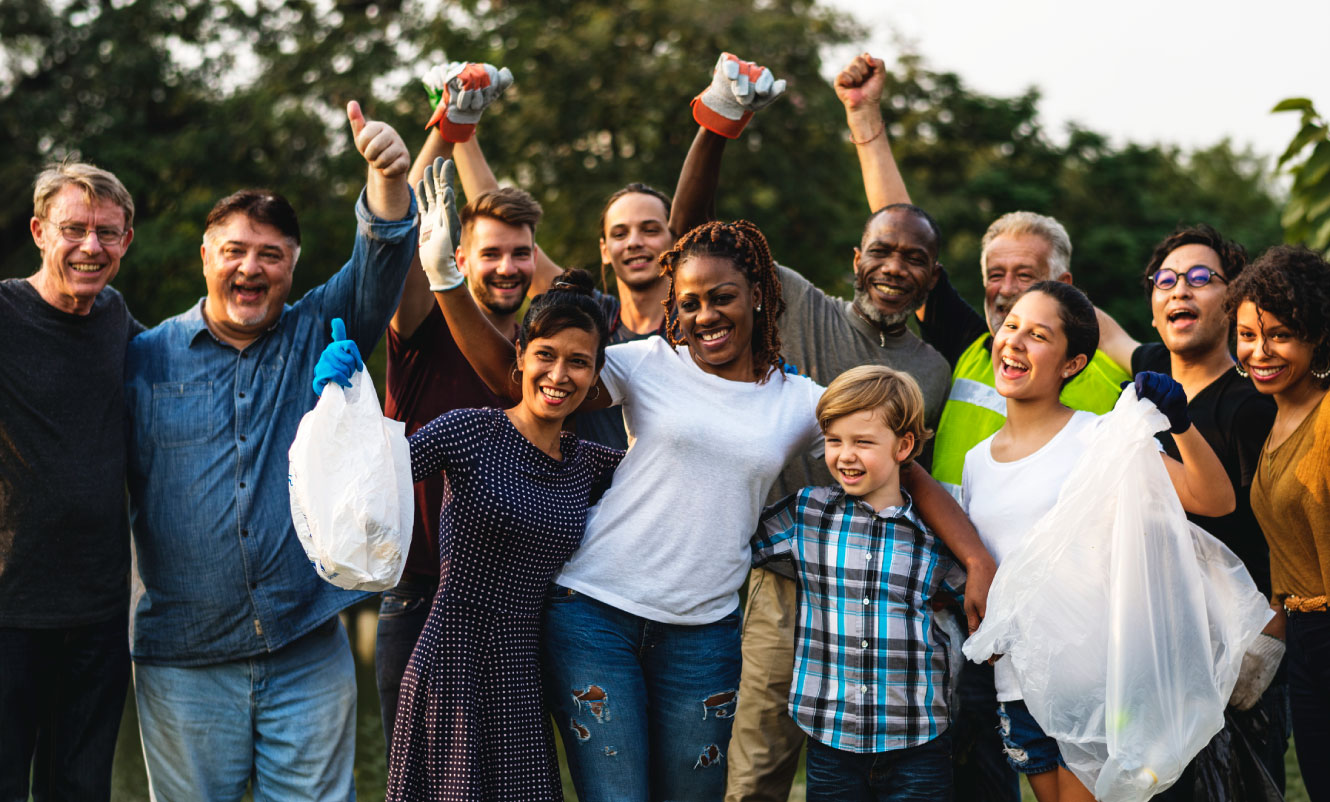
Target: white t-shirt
x,y
669,540
1005,499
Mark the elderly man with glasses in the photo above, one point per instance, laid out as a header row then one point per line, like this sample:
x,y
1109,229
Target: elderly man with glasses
x,y
64,532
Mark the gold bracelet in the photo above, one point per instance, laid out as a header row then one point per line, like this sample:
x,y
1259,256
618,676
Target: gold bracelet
x,y
879,133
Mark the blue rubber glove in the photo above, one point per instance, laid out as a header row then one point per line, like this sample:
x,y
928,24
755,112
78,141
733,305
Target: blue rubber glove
x,y
339,360
1166,394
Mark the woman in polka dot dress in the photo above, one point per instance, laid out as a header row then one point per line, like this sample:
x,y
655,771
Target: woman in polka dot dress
x,y
470,721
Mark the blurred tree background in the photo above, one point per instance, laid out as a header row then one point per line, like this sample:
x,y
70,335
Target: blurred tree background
x,y
188,100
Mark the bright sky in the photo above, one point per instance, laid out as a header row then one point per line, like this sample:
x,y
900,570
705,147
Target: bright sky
x,y
1189,72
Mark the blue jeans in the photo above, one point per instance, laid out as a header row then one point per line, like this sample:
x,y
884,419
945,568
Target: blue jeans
x,y
644,708
979,770
917,774
1028,748
62,692
402,614
286,719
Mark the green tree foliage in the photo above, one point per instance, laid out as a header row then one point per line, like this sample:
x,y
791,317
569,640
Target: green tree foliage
x,y
1306,218
188,101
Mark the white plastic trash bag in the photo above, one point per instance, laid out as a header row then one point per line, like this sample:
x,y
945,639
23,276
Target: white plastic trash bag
x,y
1125,623
351,491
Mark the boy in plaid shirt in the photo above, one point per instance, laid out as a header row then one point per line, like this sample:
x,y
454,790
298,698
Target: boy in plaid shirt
x,y
871,663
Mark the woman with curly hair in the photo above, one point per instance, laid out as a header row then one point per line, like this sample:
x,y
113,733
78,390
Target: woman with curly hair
x,y
1281,305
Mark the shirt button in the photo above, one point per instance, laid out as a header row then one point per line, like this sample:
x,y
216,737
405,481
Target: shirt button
x,y
864,644
868,555
244,533
242,394
863,689
253,585
242,484
242,438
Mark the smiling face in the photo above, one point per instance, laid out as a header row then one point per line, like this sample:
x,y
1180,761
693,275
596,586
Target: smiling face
x,y
247,266
1030,350
865,456
72,273
1191,320
557,372
1012,264
894,267
715,312
498,261
636,233
1278,361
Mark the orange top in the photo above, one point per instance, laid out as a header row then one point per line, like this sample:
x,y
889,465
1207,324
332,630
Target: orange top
x,y
1291,498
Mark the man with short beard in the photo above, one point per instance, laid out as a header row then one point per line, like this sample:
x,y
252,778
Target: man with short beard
x,y
1186,279
242,672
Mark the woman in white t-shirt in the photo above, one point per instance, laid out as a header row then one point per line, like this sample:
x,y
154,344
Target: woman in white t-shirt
x,y
1014,477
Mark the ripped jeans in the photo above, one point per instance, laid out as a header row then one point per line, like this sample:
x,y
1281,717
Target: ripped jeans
x,y
644,708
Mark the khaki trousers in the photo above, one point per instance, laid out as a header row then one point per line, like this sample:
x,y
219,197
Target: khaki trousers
x,y
765,744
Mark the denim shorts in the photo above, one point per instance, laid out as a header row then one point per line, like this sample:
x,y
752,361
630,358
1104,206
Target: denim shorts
x,y
1028,749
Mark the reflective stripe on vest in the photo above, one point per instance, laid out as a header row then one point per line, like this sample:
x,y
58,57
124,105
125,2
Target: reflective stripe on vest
x,y
975,410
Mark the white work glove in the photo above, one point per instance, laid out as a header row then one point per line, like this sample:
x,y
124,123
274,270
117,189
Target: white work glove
x,y
460,91
738,88
1258,669
439,226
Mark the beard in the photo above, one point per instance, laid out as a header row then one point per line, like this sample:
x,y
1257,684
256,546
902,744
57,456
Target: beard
x,y
863,303
486,299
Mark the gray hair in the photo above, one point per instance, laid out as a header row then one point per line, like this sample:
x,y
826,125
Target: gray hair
x,y
1043,226
95,182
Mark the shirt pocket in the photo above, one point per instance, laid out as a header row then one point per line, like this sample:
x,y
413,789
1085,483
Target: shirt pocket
x,y
181,413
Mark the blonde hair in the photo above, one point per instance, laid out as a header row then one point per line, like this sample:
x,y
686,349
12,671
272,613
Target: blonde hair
x,y
96,183
895,395
1046,228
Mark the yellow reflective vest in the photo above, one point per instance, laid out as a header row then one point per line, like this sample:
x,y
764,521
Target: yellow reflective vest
x,y
974,409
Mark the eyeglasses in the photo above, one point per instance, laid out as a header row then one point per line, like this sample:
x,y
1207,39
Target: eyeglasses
x,y
1196,276
106,236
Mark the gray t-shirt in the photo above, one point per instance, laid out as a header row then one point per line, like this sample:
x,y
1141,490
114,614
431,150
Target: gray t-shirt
x,y
823,337
64,532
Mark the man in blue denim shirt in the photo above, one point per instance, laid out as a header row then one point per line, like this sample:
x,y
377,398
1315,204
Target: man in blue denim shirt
x,y
242,669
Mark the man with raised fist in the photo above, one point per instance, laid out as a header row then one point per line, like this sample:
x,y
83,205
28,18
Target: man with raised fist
x,y
242,670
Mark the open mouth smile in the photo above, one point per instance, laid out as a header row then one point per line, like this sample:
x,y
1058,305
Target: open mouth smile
x,y
1265,374
1013,368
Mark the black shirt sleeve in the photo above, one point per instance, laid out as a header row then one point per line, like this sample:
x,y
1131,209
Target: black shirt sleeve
x,y
950,325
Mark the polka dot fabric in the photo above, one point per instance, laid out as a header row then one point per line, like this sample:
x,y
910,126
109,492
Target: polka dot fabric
x,y
470,721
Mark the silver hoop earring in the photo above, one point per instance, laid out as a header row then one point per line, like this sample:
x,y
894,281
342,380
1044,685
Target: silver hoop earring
x,y
513,375
1244,374
596,388
1322,374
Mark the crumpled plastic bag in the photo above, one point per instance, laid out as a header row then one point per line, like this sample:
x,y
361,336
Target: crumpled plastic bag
x,y
351,491
1125,623
1229,769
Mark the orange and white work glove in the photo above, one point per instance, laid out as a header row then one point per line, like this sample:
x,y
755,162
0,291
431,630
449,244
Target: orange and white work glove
x,y
460,92
738,88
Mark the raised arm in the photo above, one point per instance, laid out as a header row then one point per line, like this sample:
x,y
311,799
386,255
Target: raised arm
x,y
1198,478
722,110
490,353
387,192
477,179
859,86
1115,341
416,297
945,517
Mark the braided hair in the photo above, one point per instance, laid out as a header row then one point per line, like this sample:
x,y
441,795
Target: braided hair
x,y
744,246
